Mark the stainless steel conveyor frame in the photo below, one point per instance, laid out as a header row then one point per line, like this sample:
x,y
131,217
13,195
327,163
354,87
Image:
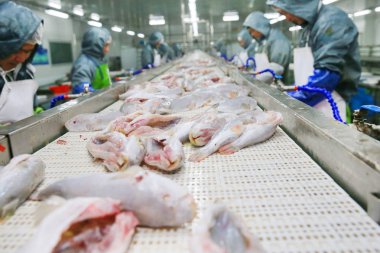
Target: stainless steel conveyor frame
x,y
351,158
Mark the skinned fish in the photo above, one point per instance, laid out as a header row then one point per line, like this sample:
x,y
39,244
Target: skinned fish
x,y
117,151
230,132
91,121
255,133
203,129
84,225
238,105
164,153
220,231
18,179
125,125
155,200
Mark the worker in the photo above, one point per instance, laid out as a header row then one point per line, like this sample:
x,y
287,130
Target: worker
x,y
328,53
247,43
166,52
20,35
177,50
91,69
272,50
220,47
150,56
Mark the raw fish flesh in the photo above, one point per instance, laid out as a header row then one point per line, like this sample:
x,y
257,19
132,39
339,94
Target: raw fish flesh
x,y
84,225
91,121
18,180
220,231
155,200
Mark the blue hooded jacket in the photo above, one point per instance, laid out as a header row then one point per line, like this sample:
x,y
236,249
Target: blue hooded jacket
x,y
249,44
274,43
92,55
166,51
147,55
333,39
17,25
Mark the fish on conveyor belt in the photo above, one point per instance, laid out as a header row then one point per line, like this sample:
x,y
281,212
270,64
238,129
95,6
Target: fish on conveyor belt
x,y
164,153
237,105
117,151
88,122
84,225
126,124
220,231
18,180
155,200
204,128
255,133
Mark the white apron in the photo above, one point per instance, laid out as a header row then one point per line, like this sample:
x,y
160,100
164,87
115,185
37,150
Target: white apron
x,y
303,68
16,100
242,58
262,61
157,59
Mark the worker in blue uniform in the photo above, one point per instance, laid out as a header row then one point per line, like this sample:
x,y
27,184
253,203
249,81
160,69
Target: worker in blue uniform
x,y
20,34
273,49
150,55
166,52
248,44
177,50
91,68
220,47
328,52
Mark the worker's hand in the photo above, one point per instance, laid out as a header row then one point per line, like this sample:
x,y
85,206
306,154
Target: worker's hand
x,y
80,88
322,78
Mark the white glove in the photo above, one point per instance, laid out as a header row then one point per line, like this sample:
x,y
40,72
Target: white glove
x,y
267,77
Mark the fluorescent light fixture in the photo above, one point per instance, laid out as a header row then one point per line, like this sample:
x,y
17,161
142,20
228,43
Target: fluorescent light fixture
x,y
132,33
272,15
56,4
276,20
140,35
362,13
78,10
194,17
94,23
326,2
95,16
230,16
377,9
156,20
295,28
116,28
57,13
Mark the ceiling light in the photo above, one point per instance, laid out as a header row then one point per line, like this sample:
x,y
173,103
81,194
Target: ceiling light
x,y
377,9
272,15
295,28
94,23
276,20
57,13
231,16
132,33
78,10
156,20
194,17
95,16
116,28
326,2
362,13
140,35
56,4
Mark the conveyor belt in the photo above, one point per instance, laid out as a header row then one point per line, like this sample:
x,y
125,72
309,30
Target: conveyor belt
x,y
284,197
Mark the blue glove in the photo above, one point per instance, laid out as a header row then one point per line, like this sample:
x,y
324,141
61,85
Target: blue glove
x,y
322,78
80,88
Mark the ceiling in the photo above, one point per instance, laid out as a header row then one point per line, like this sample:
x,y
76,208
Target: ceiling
x,y
134,14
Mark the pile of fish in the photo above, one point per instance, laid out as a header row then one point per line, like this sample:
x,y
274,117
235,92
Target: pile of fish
x,y
192,103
